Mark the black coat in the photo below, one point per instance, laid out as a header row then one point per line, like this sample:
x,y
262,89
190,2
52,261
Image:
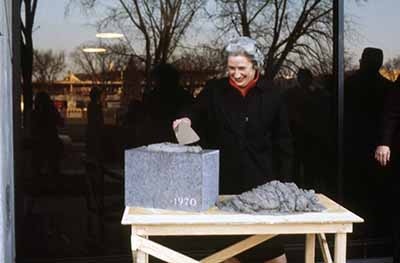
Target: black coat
x,y
363,111
245,130
391,119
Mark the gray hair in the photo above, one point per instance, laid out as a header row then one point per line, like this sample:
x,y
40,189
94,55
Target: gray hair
x,y
245,46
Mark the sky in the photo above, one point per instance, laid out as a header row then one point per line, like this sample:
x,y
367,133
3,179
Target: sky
x,y
54,29
376,22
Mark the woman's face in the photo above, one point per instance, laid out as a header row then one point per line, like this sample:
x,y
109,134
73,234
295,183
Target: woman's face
x,y
240,70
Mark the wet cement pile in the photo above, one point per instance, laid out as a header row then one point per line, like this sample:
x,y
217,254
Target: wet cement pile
x,y
273,198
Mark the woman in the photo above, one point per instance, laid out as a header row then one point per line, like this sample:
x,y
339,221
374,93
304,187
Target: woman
x,y
244,116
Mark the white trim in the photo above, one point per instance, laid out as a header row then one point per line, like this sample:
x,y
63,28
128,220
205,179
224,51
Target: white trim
x,y
7,243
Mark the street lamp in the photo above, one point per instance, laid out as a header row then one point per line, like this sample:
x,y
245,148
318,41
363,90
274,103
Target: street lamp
x,y
104,35
109,35
94,50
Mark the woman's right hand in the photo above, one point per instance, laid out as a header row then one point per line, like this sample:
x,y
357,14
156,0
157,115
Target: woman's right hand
x,y
382,154
179,121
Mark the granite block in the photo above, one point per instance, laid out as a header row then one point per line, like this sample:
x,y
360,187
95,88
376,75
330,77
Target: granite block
x,y
177,180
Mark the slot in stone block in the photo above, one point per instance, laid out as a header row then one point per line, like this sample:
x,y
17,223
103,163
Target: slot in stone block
x,y
171,180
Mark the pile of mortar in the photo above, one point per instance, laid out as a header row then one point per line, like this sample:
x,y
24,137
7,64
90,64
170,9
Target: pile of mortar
x,y
273,198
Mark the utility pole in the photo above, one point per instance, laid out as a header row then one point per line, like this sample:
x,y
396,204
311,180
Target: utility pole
x,y
7,229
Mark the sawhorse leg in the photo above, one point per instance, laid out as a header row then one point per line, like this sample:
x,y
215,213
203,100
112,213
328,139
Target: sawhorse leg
x,y
340,247
310,248
138,256
143,247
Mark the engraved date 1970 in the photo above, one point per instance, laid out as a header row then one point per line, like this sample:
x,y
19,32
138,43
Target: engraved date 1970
x,y
185,201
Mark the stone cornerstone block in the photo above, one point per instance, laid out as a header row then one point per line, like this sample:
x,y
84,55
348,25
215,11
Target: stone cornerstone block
x,y
171,179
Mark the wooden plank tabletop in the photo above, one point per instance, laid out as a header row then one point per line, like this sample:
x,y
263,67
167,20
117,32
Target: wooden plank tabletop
x,y
150,216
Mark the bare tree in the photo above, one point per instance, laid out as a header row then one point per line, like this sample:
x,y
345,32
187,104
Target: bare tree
x,y
47,65
161,24
101,66
240,15
202,58
28,12
295,32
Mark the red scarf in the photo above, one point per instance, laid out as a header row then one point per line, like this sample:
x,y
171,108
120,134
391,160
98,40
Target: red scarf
x,y
249,86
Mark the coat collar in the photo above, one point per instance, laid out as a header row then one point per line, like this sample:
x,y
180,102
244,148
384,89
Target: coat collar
x,y
262,85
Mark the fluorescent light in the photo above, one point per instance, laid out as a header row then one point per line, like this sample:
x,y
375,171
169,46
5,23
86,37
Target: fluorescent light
x,y
109,35
94,50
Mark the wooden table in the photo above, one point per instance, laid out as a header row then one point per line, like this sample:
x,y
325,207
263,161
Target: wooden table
x,y
147,222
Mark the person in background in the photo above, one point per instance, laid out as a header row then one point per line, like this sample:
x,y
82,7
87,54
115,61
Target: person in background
x,y
364,102
310,123
168,97
387,153
390,124
95,125
244,115
163,103
47,146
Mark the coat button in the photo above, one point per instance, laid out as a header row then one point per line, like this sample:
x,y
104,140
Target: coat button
x,y
246,119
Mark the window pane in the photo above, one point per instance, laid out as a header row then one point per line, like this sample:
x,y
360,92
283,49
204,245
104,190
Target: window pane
x,y
371,69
